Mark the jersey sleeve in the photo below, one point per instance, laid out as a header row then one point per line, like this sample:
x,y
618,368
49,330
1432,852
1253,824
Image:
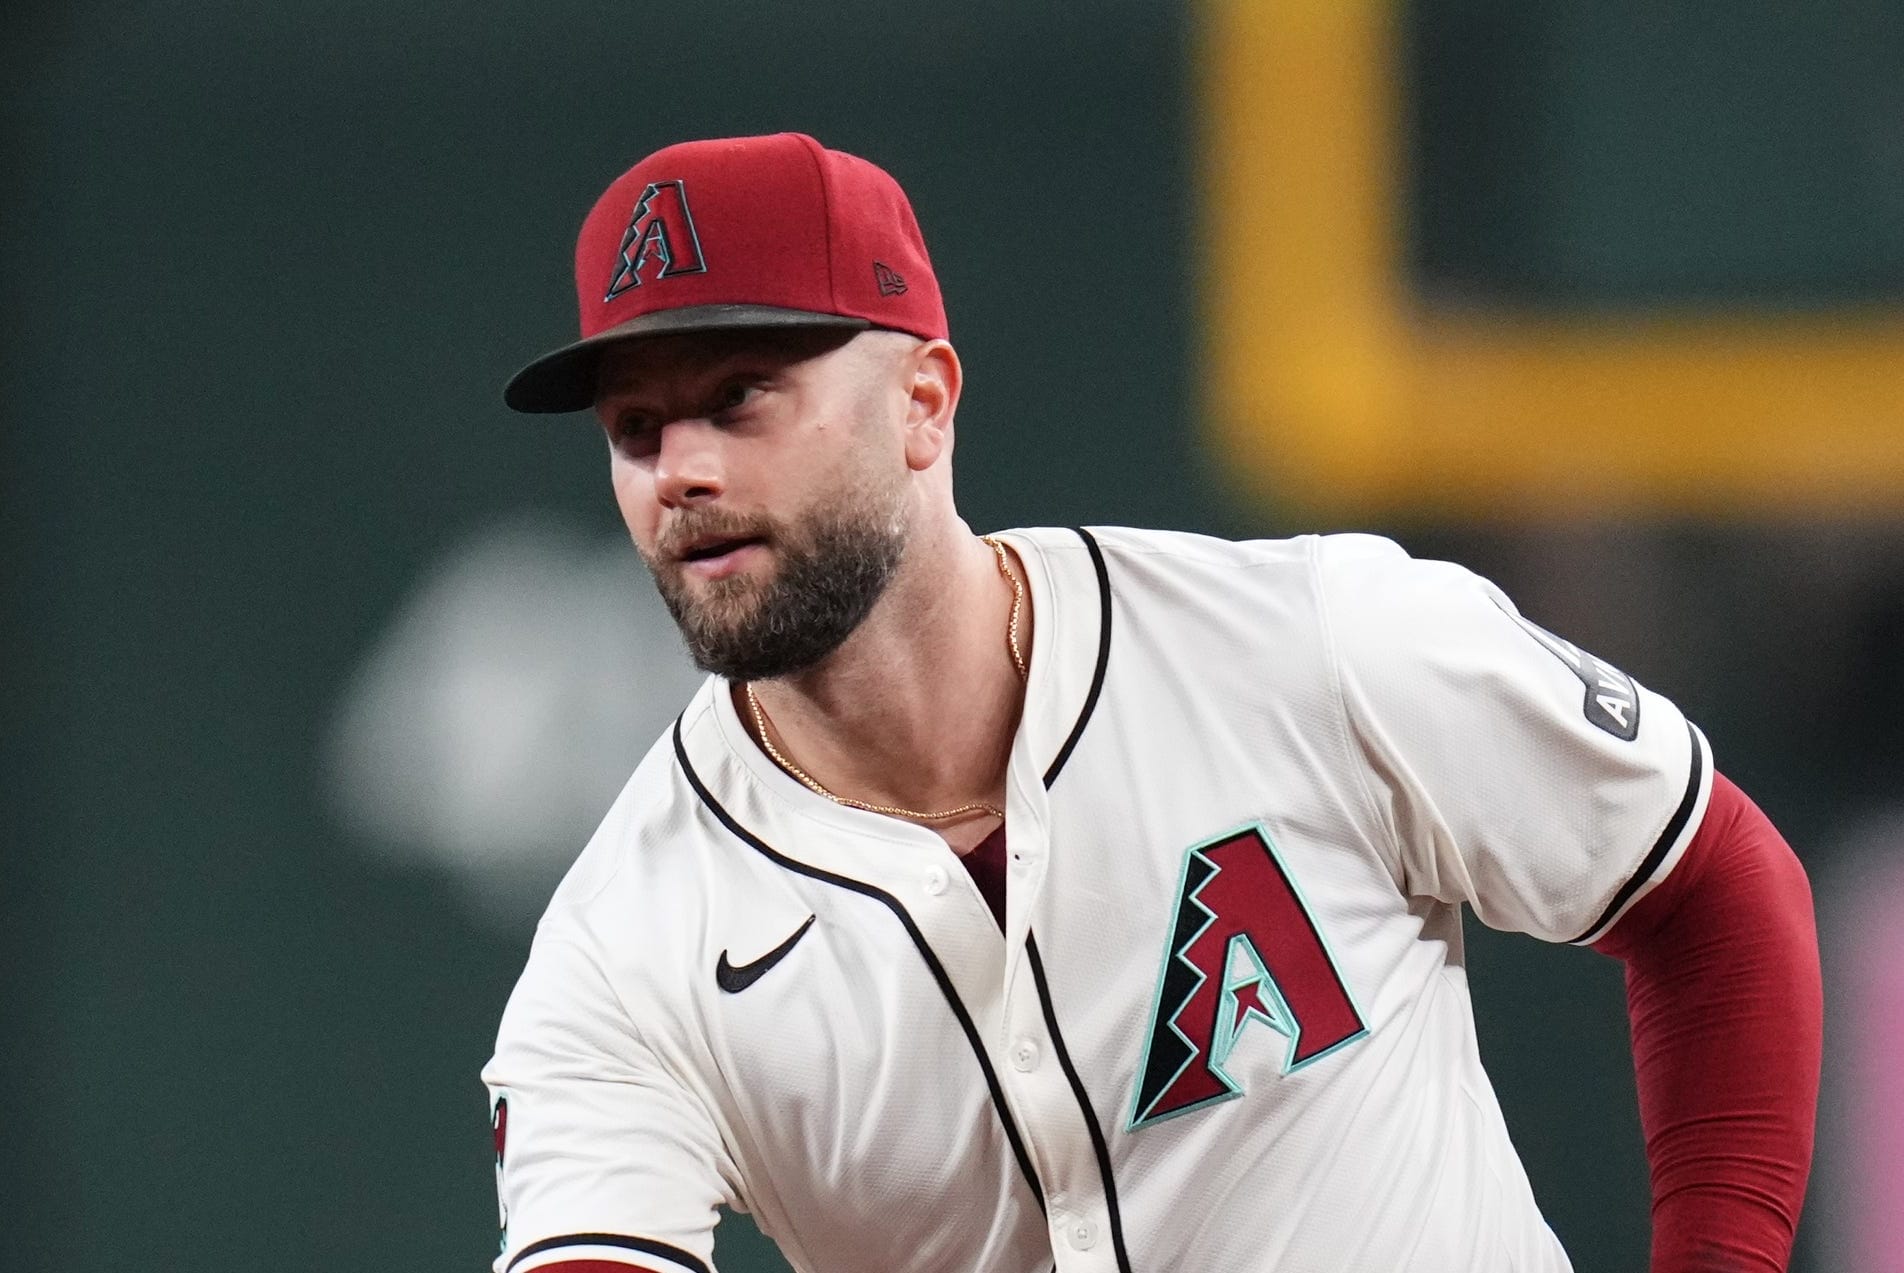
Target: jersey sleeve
x,y
1508,768
603,1158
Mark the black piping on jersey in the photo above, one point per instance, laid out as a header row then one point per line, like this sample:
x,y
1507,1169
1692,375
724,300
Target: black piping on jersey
x,y
647,1246
1099,1148
1103,654
1661,846
1098,1145
912,930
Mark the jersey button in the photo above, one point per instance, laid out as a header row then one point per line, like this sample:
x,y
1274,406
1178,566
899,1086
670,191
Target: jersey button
x,y
935,880
1025,1055
1082,1234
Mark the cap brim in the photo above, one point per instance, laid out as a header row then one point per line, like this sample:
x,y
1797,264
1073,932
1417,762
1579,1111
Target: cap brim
x,y
564,379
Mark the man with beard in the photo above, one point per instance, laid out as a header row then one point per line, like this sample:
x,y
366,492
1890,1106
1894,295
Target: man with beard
x,y
1087,898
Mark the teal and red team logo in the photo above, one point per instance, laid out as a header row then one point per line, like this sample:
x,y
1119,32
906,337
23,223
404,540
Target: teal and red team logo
x,y
499,1131
1243,949
660,236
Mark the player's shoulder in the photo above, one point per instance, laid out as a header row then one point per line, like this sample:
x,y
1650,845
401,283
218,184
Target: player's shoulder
x,y
1196,548
626,930
643,856
1364,587
1371,582
1297,561
1346,561
1130,556
1190,548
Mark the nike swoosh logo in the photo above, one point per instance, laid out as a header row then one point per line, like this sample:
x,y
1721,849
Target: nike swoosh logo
x,y
736,978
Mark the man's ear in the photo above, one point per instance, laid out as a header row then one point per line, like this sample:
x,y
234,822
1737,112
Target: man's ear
x,y
933,399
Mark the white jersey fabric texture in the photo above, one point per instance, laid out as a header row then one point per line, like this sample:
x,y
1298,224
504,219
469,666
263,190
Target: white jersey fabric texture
x,y
1226,1026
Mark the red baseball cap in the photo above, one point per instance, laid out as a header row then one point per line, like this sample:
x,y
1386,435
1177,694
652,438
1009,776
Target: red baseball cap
x,y
740,232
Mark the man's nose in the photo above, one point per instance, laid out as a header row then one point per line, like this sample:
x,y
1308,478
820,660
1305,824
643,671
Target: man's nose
x,y
688,466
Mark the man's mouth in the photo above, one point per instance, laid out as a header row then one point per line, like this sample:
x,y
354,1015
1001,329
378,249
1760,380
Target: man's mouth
x,y
715,558
707,550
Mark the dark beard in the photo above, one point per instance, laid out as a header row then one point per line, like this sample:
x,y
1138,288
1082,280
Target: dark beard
x,y
826,582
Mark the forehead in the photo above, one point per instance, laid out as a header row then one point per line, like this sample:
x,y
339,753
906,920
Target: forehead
x,y
659,361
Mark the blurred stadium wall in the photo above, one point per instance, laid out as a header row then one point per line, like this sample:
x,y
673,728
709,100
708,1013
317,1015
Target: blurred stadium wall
x,y
318,665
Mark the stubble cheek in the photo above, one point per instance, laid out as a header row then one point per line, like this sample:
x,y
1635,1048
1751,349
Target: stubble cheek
x,y
635,500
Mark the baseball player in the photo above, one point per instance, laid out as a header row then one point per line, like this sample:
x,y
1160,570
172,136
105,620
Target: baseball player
x,y
1079,899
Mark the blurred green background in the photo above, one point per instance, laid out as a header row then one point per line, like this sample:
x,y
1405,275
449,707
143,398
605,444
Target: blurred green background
x,y
318,663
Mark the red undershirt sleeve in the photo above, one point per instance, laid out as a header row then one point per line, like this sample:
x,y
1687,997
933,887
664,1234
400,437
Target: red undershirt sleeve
x,y
1724,997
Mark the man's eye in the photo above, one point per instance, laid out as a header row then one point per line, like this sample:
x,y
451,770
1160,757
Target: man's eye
x,y
736,394
633,432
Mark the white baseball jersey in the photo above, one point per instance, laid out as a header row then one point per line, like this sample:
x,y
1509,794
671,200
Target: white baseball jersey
x,y
1226,1026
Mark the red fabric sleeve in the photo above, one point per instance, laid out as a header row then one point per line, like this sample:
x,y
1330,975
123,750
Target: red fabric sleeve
x,y
1724,996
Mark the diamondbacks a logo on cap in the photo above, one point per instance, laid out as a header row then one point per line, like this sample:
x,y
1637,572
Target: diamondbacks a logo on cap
x,y
661,229
890,284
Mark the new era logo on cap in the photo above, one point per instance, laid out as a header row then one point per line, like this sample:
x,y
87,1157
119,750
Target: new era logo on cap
x,y
661,229
783,232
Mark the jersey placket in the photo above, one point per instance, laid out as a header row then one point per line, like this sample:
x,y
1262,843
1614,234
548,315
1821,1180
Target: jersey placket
x,y
1042,1095
1001,988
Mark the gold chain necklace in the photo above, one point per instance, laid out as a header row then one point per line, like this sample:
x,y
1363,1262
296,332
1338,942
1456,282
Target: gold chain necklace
x,y
808,781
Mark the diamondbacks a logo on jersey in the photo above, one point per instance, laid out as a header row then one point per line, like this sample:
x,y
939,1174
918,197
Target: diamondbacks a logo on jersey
x,y
1612,702
661,230
499,1129
1243,950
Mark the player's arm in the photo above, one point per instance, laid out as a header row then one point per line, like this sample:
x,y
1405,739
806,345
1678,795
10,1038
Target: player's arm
x,y
1513,772
606,1162
1724,994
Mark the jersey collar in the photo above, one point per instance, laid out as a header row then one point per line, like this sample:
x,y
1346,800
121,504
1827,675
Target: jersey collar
x,y
1071,606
